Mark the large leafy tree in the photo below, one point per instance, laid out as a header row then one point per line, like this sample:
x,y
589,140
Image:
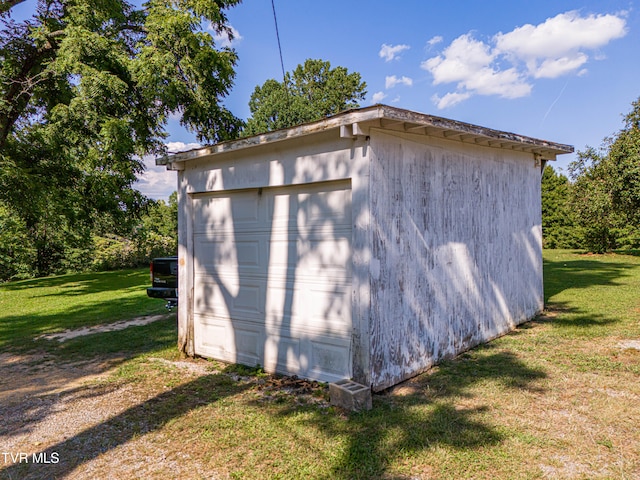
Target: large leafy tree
x,y
623,167
558,230
606,189
87,88
311,92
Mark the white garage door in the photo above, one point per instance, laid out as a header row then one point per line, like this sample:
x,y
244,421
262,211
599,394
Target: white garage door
x,y
272,278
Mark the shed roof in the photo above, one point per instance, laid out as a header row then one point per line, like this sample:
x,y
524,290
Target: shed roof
x,y
358,122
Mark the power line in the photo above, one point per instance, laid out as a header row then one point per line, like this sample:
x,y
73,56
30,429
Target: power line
x,y
273,7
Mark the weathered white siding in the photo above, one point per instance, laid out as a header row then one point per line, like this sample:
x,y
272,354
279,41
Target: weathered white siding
x,y
456,255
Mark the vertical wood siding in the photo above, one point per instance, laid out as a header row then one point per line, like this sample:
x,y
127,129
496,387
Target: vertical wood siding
x,y
456,256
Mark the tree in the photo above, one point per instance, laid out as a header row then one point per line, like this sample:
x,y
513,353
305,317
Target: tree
x,y
16,250
157,232
311,92
86,89
623,167
591,202
558,230
606,190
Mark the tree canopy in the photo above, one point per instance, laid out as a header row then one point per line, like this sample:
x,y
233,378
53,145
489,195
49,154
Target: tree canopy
x,y
606,188
311,92
87,87
558,227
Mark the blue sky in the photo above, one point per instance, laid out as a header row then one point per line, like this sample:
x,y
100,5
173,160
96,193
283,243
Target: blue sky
x,y
564,71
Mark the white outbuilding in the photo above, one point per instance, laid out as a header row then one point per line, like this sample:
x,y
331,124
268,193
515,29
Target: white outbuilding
x,y
368,246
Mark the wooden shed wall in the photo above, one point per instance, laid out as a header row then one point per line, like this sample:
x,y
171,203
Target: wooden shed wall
x,y
456,250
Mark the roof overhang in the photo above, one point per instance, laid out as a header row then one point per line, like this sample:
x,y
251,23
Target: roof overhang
x,y
358,123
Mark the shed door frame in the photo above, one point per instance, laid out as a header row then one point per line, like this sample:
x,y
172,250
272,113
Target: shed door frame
x,y
322,229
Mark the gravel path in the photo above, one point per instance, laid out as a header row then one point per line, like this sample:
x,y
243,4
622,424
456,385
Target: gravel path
x,y
71,421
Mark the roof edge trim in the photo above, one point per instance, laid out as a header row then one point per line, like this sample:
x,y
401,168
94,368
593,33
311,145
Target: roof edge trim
x,y
410,121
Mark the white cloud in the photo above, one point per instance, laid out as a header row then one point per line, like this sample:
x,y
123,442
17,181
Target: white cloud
x,y
555,47
227,39
506,65
435,40
378,97
450,99
563,34
156,182
552,68
459,61
392,81
391,52
506,83
175,147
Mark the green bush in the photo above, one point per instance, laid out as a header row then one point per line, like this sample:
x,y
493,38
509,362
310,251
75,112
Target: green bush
x,y
112,252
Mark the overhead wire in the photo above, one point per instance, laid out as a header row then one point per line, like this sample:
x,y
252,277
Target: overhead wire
x,y
275,20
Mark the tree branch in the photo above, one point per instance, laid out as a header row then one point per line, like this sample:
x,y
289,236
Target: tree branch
x,y
17,95
7,5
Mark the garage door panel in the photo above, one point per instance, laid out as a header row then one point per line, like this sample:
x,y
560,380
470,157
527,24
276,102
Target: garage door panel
x,y
328,359
282,257
313,309
246,301
226,252
236,342
283,355
212,339
249,345
311,256
313,206
242,211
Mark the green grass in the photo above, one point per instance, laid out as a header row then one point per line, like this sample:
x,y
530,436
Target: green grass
x,y
557,398
31,308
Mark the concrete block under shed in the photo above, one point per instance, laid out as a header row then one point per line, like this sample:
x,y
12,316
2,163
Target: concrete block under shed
x,y
350,395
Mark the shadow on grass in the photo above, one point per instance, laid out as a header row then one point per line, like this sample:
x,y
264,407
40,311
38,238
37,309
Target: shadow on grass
x,y
73,301
21,333
582,316
562,274
138,420
572,318
81,283
440,410
635,252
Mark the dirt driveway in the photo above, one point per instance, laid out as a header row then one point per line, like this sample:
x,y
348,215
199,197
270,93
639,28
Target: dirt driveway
x,y
59,420
105,419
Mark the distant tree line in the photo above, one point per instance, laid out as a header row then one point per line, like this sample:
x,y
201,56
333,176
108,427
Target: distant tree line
x,y
597,208
104,245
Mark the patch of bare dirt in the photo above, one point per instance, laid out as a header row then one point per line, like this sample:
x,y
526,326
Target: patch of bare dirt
x,y
62,420
97,420
110,327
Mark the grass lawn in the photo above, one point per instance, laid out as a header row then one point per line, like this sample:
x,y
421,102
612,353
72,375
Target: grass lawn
x,y
31,308
557,398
